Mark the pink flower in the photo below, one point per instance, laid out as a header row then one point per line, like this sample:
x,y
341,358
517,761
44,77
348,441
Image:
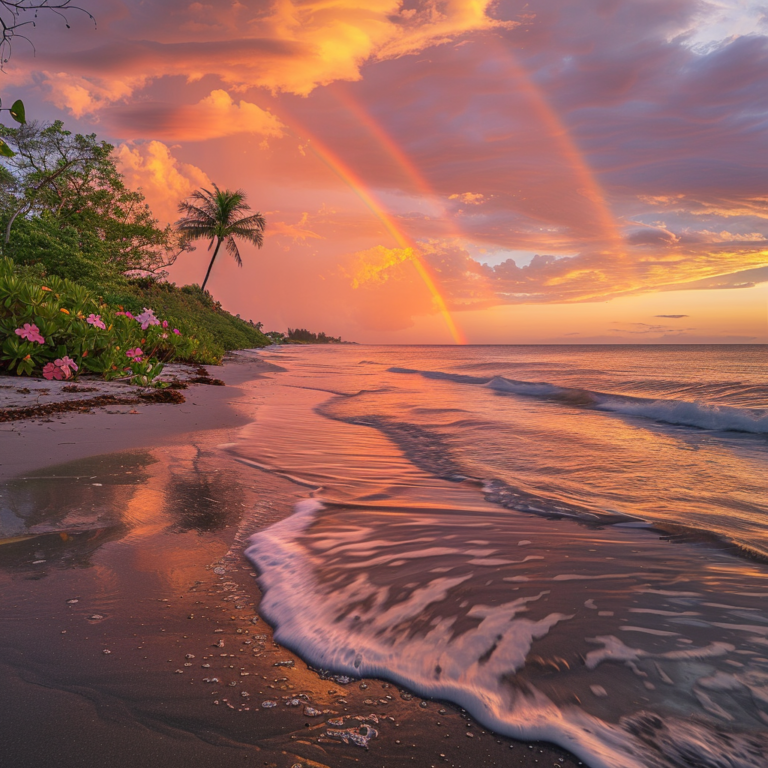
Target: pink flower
x,y
135,354
177,331
165,323
147,318
163,335
67,364
130,316
52,371
96,321
30,332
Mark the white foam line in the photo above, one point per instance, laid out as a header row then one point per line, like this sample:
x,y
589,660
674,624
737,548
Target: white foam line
x,y
648,631
304,621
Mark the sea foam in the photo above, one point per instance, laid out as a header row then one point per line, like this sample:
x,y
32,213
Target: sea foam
x,y
360,629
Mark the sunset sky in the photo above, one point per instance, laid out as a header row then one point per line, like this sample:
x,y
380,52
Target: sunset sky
x,y
445,170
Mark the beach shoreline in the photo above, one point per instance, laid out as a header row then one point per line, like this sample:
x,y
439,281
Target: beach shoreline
x,y
133,577
96,429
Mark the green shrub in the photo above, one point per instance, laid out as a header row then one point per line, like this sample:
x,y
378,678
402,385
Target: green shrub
x,y
194,312
59,328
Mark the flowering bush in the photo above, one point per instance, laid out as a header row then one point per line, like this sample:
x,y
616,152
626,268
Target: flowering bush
x,y
60,328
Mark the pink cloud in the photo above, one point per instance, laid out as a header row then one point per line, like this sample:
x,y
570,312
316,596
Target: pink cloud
x,y
163,179
595,135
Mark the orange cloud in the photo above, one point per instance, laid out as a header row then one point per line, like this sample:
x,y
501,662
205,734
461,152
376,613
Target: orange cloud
x,y
339,37
466,283
469,198
726,207
213,117
297,232
163,179
293,47
375,265
82,96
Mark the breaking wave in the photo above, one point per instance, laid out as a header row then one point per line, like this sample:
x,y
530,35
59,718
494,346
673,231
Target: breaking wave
x,y
700,415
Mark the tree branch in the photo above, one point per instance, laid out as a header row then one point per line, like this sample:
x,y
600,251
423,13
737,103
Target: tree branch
x,y
15,14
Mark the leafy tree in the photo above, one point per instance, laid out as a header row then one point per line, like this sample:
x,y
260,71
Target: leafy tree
x,y
221,217
45,160
64,194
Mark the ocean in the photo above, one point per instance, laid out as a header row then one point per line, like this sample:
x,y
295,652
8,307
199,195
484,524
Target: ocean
x,y
570,543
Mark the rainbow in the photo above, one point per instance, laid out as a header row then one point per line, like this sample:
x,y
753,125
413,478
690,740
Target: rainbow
x,y
405,163
566,147
357,185
559,133
403,241
584,177
392,148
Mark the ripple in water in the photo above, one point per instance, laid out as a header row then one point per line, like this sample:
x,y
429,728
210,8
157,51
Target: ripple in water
x,y
608,640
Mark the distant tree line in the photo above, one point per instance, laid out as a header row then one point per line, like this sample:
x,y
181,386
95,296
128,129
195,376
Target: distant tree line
x,y
307,337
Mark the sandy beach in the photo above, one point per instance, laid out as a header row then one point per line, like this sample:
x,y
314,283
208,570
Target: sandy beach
x,y
129,616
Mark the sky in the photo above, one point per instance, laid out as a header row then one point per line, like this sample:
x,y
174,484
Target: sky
x,y
444,171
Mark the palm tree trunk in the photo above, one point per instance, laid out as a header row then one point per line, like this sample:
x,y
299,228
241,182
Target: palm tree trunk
x,y
210,266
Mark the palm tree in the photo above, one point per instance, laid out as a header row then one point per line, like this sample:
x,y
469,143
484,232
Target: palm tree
x,y
220,216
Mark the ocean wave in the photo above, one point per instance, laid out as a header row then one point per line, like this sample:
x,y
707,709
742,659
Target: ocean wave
x,y
697,414
472,668
722,418
429,451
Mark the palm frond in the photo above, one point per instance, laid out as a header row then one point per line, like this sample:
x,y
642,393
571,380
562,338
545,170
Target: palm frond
x,y
203,209
256,220
254,236
195,230
233,250
195,221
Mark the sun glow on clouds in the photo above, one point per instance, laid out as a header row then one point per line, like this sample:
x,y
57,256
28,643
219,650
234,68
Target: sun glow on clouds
x,y
82,96
215,116
468,198
604,152
285,46
162,178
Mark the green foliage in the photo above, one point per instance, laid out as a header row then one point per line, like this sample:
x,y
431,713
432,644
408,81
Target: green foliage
x,y
70,224
56,329
59,249
67,187
195,312
18,112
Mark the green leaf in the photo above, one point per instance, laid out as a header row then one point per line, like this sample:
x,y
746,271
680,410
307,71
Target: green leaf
x,y
5,150
18,113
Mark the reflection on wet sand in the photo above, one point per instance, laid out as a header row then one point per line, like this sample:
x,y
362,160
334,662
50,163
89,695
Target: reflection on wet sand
x,y
136,641
58,517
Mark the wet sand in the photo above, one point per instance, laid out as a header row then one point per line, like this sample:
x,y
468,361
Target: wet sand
x,y
128,590
35,443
